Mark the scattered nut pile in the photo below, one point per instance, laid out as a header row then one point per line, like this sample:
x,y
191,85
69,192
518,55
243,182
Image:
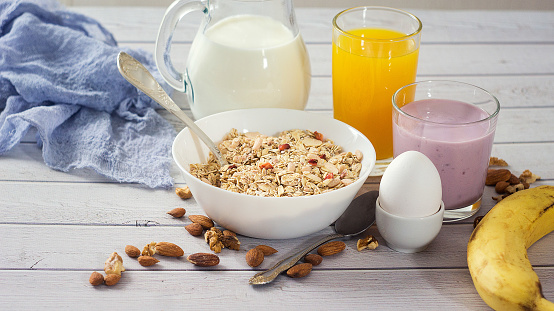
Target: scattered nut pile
x,y
256,255
217,240
505,183
113,268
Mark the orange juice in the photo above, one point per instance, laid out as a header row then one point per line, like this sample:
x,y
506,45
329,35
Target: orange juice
x,y
369,65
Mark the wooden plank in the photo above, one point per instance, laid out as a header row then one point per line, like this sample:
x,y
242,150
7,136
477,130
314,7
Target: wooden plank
x,y
435,59
427,4
24,163
329,290
86,247
516,125
136,24
512,91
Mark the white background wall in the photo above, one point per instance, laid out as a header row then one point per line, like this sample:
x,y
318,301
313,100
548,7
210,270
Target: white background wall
x,y
427,4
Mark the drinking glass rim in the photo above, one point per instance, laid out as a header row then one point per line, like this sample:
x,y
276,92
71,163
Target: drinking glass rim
x,y
490,117
348,34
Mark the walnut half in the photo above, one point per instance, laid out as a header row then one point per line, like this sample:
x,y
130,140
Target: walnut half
x,y
213,238
369,242
114,264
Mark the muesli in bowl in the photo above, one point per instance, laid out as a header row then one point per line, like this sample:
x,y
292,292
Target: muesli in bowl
x,y
261,214
294,163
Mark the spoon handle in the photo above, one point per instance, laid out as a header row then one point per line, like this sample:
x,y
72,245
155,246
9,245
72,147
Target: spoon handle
x,y
267,276
134,72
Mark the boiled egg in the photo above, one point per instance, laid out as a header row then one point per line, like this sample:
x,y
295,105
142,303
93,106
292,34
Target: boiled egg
x,y
411,186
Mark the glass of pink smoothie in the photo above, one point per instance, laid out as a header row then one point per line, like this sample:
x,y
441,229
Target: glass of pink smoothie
x,y
452,123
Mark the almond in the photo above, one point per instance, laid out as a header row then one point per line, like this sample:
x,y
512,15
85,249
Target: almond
x,y
169,249
177,212
132,251
147,261
254,257
331,248
495,176
501,186
514,180
194,229
112,279
204,221
203,259
267,250
314,259
96,278
300,270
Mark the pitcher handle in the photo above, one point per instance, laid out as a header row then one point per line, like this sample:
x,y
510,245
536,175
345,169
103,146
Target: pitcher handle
x,y
171,18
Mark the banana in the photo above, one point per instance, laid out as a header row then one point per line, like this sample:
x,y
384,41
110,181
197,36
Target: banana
x,y
497,250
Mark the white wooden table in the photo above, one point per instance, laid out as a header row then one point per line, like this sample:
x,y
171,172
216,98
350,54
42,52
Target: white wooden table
x,y
56,228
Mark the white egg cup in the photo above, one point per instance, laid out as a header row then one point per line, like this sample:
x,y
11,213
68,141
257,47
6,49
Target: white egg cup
x,y
408,234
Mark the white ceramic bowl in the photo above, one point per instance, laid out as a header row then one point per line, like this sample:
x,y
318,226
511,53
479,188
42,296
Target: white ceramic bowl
x,y
408,234
270,217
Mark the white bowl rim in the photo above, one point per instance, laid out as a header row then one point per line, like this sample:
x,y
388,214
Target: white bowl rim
x,y
361,178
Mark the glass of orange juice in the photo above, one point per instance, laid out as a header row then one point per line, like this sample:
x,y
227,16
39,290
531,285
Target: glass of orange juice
x,y
375,52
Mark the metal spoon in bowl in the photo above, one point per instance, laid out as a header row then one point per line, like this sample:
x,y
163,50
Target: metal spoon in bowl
x,y
359,216
135,72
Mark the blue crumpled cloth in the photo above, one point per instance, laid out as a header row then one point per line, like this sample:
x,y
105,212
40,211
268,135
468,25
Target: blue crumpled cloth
x,y
58,73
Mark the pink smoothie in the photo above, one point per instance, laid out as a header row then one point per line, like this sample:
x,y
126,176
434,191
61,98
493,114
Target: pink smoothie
x,y
459,150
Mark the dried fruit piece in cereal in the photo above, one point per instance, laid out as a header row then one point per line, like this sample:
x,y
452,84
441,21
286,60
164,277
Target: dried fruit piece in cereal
x,y
284,147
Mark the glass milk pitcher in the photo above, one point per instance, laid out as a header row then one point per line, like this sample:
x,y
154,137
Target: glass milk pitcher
x,y
246,54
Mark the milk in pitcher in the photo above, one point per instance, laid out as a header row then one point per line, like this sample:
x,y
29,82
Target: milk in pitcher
x,y
247,61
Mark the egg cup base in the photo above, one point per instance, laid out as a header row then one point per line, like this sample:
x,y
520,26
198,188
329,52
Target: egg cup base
x,y
408,234
406,250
